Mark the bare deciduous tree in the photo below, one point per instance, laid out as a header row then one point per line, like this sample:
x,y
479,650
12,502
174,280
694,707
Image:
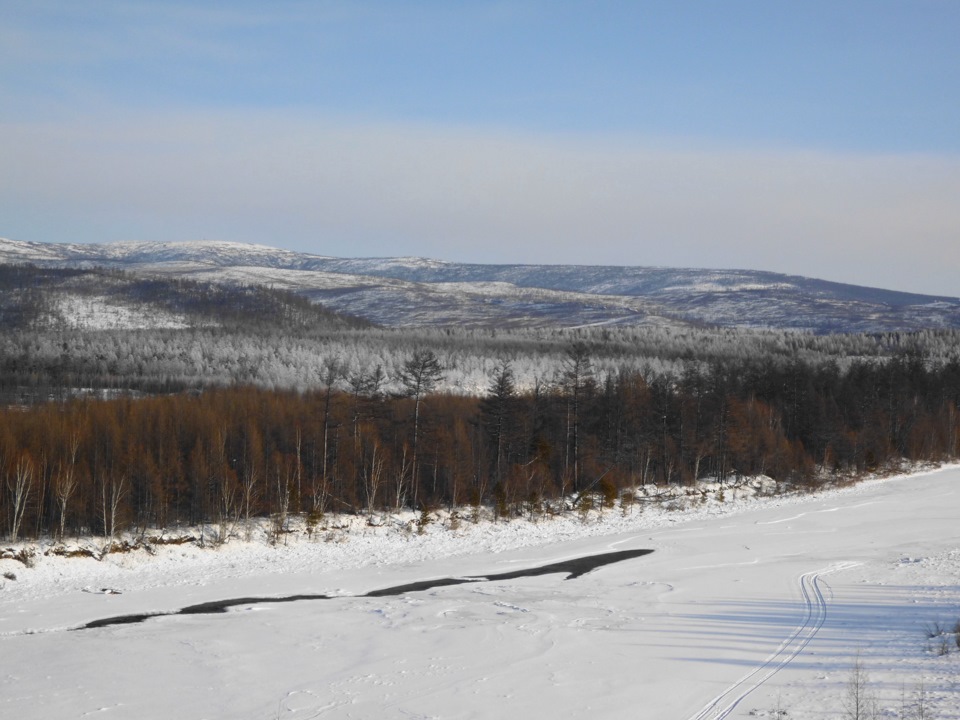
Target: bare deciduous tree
x,y
113,488
65,483
371,470
921,708
19,483
286,472
859,703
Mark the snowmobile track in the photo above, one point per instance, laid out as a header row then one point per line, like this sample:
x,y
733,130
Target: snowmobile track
x,y
815,615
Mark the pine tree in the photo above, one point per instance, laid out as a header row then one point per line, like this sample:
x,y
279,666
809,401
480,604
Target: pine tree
x,y
420,375
497,410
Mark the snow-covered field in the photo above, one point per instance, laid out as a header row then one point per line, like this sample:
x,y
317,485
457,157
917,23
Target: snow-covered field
x,y
743,608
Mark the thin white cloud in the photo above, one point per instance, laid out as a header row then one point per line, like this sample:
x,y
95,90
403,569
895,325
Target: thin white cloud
x,y
344,188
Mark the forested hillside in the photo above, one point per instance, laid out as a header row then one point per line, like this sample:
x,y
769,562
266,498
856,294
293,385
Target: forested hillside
x,y
34,298
136,401
225,456
57,362
64,332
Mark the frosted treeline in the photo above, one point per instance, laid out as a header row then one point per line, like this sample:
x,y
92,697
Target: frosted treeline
x,y
276,358
64,331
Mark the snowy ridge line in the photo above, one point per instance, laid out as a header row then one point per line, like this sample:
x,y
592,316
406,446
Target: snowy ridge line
x,y
405,291
816,614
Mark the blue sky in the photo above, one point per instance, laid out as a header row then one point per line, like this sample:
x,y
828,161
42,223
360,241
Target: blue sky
x,y
816,138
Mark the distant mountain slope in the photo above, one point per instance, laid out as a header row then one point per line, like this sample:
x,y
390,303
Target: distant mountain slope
x,y
35,298
421,292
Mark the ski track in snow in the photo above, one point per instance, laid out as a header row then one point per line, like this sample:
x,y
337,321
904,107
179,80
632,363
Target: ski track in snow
x,y
803,514
816,614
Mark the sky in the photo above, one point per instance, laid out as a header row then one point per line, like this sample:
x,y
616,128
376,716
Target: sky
x,y
810,138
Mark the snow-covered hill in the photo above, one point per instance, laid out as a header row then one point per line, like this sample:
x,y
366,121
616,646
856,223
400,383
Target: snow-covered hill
x,y
423,292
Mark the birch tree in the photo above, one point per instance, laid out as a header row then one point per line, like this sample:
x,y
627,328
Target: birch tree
x,y
65,483
19,484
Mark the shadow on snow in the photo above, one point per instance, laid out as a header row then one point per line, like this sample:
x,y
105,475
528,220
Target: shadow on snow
x,y
573,568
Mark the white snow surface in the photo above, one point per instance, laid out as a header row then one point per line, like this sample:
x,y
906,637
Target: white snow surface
x,y
748,603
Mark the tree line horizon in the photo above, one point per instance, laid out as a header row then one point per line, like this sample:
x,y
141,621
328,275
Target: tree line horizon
x,y
82,467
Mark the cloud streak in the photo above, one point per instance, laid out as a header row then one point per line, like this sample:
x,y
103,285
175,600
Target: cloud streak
x,y
353,189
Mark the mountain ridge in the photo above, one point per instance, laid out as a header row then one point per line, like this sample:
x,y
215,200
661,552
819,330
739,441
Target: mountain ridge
x,y
412,291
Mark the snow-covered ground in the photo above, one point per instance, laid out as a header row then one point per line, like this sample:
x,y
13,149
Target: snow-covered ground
x,y
744,607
